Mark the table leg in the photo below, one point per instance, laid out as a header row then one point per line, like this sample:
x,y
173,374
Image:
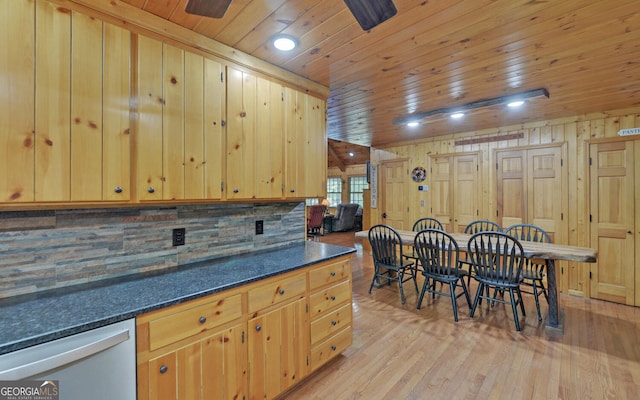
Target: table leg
x,y
553,319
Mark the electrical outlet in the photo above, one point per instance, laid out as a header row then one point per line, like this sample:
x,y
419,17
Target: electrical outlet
x,y
259,227
179,236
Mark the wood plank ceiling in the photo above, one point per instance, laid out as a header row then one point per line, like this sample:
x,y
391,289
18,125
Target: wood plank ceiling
x,y
440,53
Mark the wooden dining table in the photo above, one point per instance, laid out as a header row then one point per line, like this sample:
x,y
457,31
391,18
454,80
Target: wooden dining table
x,y
549,252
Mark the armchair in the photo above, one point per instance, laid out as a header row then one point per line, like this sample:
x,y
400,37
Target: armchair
x,y
314,220
345,217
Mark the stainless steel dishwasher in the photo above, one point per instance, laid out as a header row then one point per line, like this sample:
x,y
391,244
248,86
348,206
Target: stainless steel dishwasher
x,y
99,364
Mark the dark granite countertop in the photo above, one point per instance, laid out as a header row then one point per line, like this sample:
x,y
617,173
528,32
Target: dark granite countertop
x,y
44,317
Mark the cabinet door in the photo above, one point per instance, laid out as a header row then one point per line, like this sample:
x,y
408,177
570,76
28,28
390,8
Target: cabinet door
x,y
315,158
173,134
212,368
294,144
53,102
269,156
241,136
214,111
278,350
82,96
181,98
150,99
116,91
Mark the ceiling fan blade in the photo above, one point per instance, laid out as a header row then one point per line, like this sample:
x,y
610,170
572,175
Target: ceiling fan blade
x,y
370,13
208,8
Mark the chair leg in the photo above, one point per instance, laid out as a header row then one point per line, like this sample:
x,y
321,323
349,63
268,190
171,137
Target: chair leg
x,y
454,303
424,289
375,277
477,298
400,279
514,308
535,296
465,290
519,293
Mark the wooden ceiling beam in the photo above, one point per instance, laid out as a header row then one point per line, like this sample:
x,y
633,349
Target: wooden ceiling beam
x,y
337,161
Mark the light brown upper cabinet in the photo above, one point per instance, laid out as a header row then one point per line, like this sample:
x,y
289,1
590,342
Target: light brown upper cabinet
x,y
455,190
241,134
315,155
64,133
269,155
305,145
294,144
180,108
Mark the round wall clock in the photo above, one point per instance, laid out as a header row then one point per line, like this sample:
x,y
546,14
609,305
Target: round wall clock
x,y
418,174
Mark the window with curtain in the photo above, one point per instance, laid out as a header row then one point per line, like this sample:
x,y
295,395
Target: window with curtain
x,y
356,186
334,191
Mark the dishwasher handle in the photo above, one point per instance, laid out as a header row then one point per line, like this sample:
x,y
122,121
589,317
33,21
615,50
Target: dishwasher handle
x,y
25,371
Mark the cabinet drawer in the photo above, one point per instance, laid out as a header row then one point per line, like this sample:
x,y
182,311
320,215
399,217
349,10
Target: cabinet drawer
x,y
329,274
190,321
329,298
331,323
330,348
284,289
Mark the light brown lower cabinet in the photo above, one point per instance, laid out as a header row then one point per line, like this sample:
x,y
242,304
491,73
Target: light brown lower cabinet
x,y
252,342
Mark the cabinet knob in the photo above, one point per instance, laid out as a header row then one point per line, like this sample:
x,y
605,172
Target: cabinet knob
x,y
151,189
203,320
333,273
281,291
258,328
333,297
334,323
223,122
243,114
333,348
235,190
163,369
117,189
292,190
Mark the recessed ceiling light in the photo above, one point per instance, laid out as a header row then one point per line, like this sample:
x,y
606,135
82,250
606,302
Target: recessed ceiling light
x,y
284,42
457,115
413,124
352,154
516,103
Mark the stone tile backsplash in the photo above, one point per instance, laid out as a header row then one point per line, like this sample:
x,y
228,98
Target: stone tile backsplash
x,y
42,250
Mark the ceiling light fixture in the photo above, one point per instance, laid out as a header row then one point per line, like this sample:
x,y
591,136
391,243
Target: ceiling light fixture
x,y
457,115
473,105
284,42
352,154
413,124
515,104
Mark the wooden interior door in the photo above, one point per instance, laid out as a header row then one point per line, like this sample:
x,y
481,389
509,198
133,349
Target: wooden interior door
x,y
465,182
511,187
455,181
441,191
394,210
528,186
612,221
544,180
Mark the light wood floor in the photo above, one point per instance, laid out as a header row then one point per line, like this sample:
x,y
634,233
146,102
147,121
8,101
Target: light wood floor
x,y
399,352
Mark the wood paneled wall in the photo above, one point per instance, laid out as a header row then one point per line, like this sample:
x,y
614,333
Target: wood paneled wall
x,y
576,132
